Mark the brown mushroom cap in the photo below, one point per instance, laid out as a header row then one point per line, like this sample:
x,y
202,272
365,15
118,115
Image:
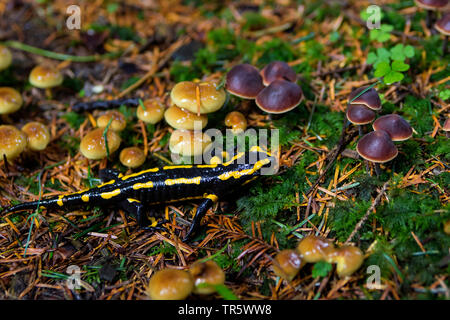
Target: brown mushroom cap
x,y
198,97
244,81
446,126
277,70
431,4
132,157
359,114
314,249
170,284
10,100
348,259
5,58
153,111
443,25
45,77
12,142
37,134
397,127
279,97
181,119
370,98
118,123
377,146
287,264
447,227
93,146
189,143
236,121
206,273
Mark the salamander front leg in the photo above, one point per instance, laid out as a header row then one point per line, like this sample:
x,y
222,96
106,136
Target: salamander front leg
x,y
108,174
206,204
136,208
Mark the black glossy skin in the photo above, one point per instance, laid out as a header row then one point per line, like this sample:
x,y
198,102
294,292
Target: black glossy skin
x,y
161,185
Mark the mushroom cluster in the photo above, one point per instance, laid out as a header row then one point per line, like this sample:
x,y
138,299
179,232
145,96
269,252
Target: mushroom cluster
x,y
33,135
274,88
192,102
432,6
311,249
363,104
174,284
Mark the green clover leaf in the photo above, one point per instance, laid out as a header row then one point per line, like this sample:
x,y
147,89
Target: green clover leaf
x,y
393,76
399,66
382,69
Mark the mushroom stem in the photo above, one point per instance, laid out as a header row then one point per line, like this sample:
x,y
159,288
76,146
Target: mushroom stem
x,y
48,94
360,131
101,104
377,169
428,19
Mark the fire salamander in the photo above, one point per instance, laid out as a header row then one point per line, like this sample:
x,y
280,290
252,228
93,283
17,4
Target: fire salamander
x,y
134,192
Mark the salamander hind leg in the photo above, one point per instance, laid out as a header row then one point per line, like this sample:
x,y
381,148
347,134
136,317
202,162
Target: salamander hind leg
x,y
137,209
204,206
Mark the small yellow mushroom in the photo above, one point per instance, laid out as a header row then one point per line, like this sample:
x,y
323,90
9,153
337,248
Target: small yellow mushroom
x,y
315,249
236,121
117,124
45,77
188,143
132,157
93,145
182,119
447,227
12,142
153,111
5,58
10,100
348,259
37,134
198,97
170,284
287,264
206,275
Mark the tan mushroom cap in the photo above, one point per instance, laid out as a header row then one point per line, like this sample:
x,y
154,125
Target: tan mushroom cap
x,y
45,77
153,111
279,97
359,114
446,126
93,145
12,142
10,100
181,119
37,134
431,4
397,127
118,122
370,98
287,264
5,58
348,259
277,70
206,273
132,157
314,249
447,227
170,284
189,143
244,81
377,146
443,25
236,121
198,97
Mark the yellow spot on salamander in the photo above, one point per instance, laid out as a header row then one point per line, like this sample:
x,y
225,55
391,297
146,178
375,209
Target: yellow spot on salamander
x,y
109,195
106,183
131,200
212,165
187,166
85,197
147,185
213,197
259,149
195,180
60,201
246,172
137,174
